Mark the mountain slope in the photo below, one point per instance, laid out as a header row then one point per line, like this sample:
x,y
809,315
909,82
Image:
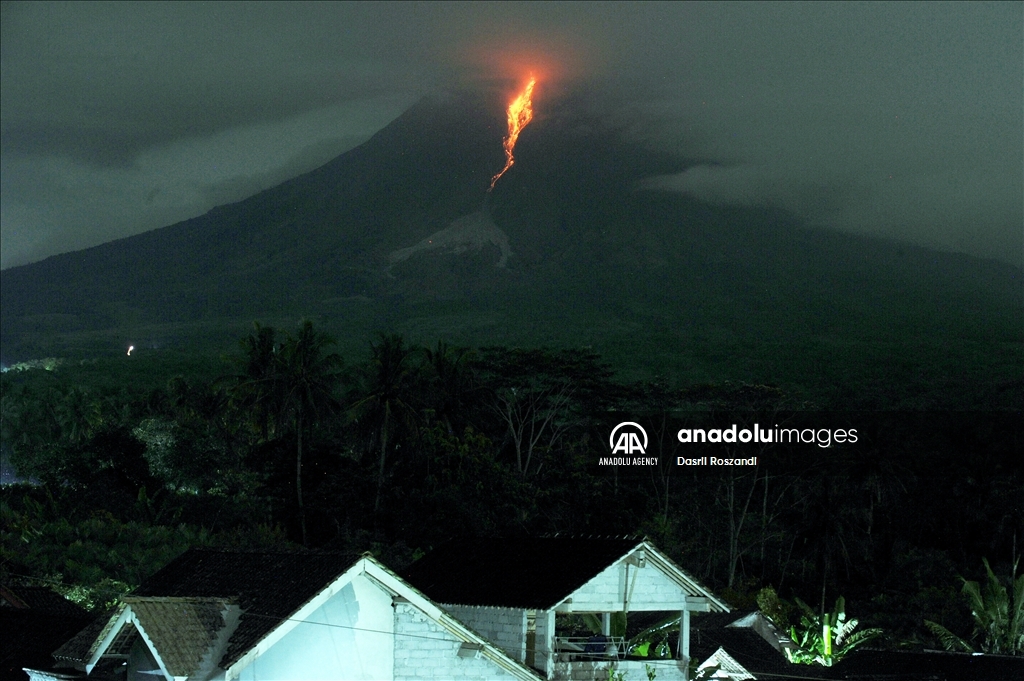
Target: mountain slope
x,y
566,250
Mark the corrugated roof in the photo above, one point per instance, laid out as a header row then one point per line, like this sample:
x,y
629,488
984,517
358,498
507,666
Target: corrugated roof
x,y
534,573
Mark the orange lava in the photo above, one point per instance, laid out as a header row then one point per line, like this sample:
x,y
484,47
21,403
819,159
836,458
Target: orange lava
x,y
520,113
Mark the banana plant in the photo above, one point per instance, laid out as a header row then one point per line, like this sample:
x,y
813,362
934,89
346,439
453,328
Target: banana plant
x,y
827,638
653,641
998,616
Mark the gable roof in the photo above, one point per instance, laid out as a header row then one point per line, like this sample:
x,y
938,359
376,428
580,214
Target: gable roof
x,y
181,631
275,592
267,586
518,572
531,573
34,620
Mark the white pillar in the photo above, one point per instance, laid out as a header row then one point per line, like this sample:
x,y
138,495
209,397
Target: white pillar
x,y
545,642
684,639
606,623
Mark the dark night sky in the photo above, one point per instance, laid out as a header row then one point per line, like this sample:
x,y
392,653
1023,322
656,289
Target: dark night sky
x,y
896,119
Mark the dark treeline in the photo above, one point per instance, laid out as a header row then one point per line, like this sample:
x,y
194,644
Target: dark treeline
x,y
294,447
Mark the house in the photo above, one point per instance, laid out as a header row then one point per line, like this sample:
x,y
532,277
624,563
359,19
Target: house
x,y
520,594
304,616
471,609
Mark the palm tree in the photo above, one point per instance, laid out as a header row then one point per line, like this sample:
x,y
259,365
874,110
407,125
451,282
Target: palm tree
x,y
450,382
292,382
386,402
307,379
256,387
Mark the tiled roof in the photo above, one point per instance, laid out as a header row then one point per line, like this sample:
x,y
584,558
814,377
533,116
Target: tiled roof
x,y
40,599
81,646
34,620
748,648
513,573
268,587
183,630
29,636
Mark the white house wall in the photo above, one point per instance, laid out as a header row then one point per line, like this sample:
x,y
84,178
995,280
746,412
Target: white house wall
x,y
425,650
349,638
504,627
653,590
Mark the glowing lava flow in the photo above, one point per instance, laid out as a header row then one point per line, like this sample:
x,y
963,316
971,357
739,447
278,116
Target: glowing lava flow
x,y
520,113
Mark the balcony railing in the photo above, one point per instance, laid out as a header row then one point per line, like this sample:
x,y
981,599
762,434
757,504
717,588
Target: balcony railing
x,y
591,647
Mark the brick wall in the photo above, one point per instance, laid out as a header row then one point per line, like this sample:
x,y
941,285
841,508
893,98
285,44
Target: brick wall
x,y
651,590
504,627
425,650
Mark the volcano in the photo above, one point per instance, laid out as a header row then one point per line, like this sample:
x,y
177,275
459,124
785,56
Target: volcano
x,y
569,249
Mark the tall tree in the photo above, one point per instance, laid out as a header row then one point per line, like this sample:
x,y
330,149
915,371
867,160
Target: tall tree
x,y
450,383
308,377
386,402
256,388
288,383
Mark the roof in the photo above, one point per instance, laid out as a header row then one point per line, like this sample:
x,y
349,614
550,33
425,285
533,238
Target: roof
x,y
510,572
177,611
33,622
267,586
529,573
40,599
181,629
870,665
711,632
28,637
81,646
393,582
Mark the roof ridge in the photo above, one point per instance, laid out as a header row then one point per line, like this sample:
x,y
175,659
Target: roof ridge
x,y
129,599
262,552
624,537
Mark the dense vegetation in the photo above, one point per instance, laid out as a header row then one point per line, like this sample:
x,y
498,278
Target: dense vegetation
x,y
286,445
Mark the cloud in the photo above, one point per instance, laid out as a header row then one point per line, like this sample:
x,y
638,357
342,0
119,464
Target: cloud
x,y
899,119
61,203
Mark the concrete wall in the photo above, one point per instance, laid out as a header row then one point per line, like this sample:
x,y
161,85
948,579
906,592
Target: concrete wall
x,y
425,650
632,670
349,638
504,627
545,641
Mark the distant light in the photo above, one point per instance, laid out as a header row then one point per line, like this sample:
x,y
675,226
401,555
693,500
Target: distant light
x,y
130,348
